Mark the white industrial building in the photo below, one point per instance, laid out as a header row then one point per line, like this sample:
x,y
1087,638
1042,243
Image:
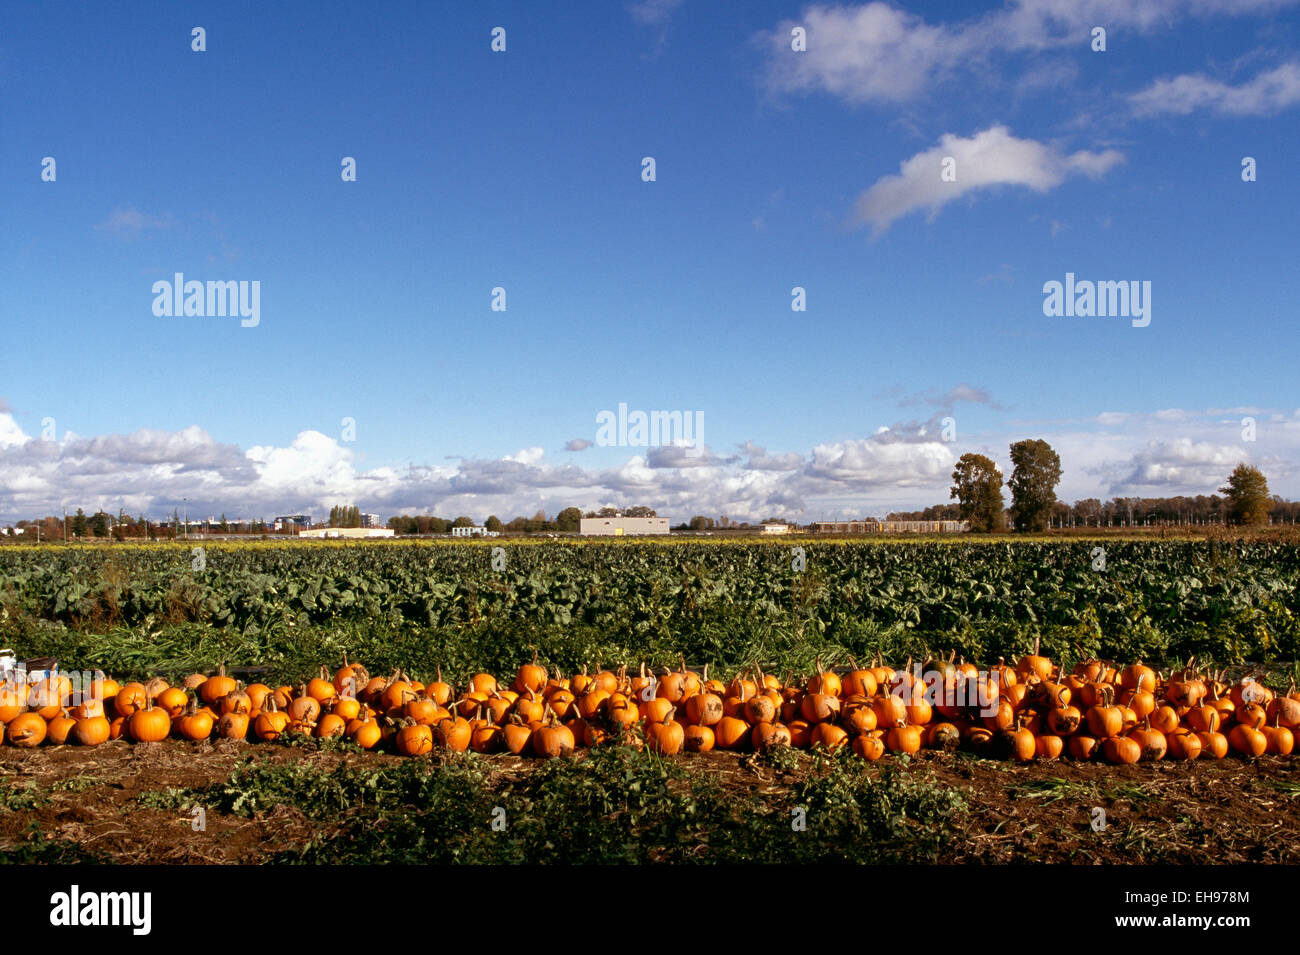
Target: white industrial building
x,y
473,530
622,526
349,533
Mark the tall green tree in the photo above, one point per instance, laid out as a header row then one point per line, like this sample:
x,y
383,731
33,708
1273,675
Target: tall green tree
x,y
569,519
1248,498
1036,472
79,523
493,523
977,486
463,521
99,524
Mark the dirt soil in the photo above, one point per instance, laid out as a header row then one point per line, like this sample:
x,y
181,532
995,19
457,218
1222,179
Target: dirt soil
x,y
1225,812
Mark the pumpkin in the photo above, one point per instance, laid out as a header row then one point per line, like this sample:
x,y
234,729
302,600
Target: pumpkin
x,y
329,726
196,724
731,733
529,708
13,701
516,736
1137,676
822,707
304,708
943,736
155,686
321,688
398,692
1034,664
1204,718
767,736
530,676
831,737
58,728
553,739
345,707
868,747
46,697
271,722
1184,744
233,726
1003,717
173,701
1284,711
1064,720
698,738
1049,746
759,709
350,678
194,681
1164,718
364,731
904,739
1281,741
215,687
1248,690
861,719
562,702
414,739
858,683
800,734
91,731
454,733
439,691
658,709
256,693
1141,702
423,711
483,683
1213,744
1248,740
1105,721
666,738
1083,746
1153,742
1121,749
826,682
26,730
88,707
1016,743
149,725
704,709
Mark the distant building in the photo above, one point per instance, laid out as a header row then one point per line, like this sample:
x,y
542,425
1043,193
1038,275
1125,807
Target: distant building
x,y
347,533
474,530
371,520
890,527
622,526
772,528
301,521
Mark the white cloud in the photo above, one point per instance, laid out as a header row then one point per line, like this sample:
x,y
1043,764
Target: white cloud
x,y
1268,93
1156,453
577,444
990,158
877,53
131,222
654,12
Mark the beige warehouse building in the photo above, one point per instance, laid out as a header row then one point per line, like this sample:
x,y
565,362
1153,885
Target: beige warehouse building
x,y
622,526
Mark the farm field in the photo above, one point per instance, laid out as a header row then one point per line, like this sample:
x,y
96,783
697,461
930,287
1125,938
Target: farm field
x,y
801,610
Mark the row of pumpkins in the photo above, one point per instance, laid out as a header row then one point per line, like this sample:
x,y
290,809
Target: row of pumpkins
x,y
1030,710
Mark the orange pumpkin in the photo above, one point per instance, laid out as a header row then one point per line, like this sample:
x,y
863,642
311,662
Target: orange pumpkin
x,y
26,730
869,747
1122,749
1248,740
91,731
698,738
149,725
454,733
731,733
904,739
666,738
58,728
414,739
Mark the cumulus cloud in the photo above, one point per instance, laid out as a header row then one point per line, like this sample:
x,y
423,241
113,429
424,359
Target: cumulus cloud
x,y
905,467
130,222
877,53
992,157
654,12
1268,93
577,444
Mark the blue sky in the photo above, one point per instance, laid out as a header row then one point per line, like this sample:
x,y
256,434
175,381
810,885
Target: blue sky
x,y
522,170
